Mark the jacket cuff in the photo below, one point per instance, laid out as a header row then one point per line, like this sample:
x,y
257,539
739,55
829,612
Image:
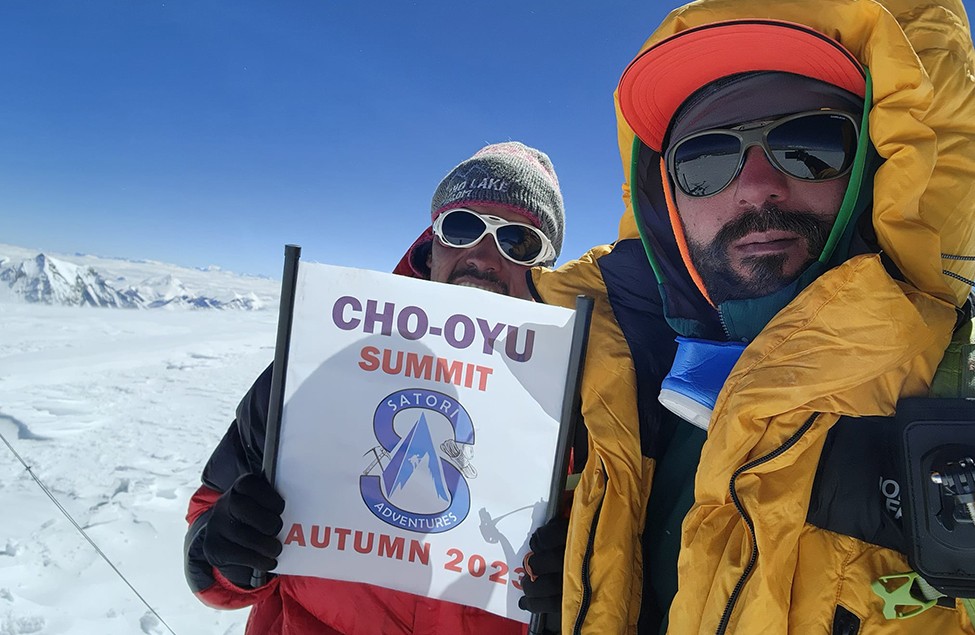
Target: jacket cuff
x,y
224,594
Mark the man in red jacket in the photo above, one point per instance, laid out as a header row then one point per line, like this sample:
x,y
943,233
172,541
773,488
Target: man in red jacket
x,y
494,216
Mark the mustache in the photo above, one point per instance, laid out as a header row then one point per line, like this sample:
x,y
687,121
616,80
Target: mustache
x,y
769,217
470,271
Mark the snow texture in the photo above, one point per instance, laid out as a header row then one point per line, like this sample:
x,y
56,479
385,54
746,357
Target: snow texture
x,y
116,412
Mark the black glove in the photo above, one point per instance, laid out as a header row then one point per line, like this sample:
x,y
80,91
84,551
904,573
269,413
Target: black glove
x,y
546,563
241,534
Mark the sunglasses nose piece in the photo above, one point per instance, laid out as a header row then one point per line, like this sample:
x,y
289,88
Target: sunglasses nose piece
x,y
758,180
488,243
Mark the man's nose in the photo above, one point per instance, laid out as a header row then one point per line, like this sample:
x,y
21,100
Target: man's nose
x,y
759,181
484,255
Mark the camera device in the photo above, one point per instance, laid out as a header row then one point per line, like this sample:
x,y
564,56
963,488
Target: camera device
x,y
937,451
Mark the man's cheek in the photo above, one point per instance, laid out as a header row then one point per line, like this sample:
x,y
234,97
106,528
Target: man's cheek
x,y
439,271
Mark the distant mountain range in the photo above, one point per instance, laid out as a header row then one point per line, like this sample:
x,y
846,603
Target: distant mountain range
x,y
83,280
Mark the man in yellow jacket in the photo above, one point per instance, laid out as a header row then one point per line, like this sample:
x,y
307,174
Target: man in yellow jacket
x,y
799,211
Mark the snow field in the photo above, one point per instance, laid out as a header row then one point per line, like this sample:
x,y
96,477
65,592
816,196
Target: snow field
x,y
116,411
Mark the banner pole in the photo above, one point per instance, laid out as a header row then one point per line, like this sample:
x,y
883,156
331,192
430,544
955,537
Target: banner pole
x,y
569,421
279,369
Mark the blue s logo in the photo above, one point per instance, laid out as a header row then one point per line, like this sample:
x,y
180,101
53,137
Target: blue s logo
x,y
420,485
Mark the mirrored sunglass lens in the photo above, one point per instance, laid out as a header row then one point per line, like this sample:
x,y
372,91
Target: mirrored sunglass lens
x,y
703,165
519,243
816,147
461,228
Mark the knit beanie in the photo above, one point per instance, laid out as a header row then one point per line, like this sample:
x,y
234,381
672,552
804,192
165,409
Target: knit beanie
x,y
510,174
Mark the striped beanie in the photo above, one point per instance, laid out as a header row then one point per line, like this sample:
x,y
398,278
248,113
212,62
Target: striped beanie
x,y
512,175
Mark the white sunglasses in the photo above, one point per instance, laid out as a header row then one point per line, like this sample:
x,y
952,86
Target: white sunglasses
x,y
522,244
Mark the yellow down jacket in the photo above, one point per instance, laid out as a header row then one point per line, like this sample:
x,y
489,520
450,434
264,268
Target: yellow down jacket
x,y
851,344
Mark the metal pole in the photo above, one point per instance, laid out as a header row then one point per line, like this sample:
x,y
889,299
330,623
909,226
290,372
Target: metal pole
x,y
570,407
279,370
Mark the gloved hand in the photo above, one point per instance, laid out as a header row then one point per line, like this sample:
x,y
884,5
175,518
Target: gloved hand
x,y
544,566
241,534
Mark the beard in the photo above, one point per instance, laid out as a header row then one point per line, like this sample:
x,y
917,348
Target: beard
x,y
764,274
470,271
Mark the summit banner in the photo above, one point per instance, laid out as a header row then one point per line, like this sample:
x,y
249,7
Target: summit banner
x,y
419,433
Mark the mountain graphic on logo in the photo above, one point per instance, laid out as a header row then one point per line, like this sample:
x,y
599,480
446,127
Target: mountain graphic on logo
x,y
414,478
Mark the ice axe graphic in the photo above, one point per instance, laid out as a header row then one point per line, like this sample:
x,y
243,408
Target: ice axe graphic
x,y
378,453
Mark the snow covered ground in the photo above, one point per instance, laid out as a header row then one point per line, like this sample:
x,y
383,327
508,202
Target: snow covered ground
x,y
116,411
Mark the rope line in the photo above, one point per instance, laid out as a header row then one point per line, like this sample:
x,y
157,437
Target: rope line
x,y
83,533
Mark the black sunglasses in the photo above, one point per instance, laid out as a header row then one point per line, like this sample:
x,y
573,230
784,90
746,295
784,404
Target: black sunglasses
x,y
522,244
817,145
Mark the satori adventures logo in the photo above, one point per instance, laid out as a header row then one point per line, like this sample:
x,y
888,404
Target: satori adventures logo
x,y
416,476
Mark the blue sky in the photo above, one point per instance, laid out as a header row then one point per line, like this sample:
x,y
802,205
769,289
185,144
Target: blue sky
x,y
213,132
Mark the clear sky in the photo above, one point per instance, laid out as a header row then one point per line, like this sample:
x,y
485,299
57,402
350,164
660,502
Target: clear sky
x,y
207,132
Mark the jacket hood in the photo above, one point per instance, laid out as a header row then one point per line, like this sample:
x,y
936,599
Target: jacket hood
x,y
413,264
912,199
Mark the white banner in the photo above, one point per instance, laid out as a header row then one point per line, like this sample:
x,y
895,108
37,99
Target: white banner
x,y
419,434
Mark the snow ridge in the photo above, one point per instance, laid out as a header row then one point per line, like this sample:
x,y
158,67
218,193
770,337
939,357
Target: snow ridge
x,y
43,279
46,280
